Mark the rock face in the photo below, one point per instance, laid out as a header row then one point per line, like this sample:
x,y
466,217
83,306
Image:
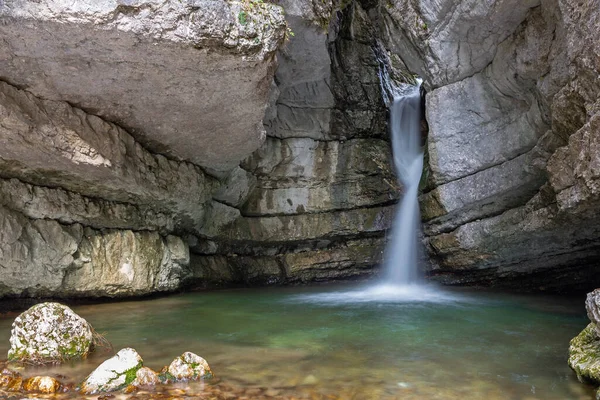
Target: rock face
x,y
145,146
49,332
132,148
319,194
105,138
44,258
163,70
512,107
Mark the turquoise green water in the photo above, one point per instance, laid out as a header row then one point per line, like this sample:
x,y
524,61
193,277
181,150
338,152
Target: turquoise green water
x,y
336,341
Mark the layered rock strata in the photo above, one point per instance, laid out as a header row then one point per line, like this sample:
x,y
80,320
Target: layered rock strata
x,y
322,188
125,145
110,115
512,107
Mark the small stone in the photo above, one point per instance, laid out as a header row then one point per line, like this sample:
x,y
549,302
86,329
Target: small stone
x,y
113,374
49,332
42,384
188,366
145,377
10,380
310,380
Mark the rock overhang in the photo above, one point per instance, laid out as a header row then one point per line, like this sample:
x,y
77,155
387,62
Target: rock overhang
x,y
189,79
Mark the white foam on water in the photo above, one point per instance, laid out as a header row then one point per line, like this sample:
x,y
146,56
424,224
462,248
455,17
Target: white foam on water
x,y
384,293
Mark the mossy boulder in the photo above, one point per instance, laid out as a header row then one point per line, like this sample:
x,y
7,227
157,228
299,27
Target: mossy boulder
x,y
186,367
584,355
145,377
116,373
49,332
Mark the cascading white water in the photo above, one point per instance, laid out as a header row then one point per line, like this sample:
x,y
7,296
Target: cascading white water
x,y
400,283
401,259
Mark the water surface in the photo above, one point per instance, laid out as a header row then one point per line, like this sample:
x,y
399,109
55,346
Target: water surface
x,y
340,342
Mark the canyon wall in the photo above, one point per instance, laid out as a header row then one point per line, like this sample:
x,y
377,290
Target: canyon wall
x,y
117,120
323,189
512,106
149,146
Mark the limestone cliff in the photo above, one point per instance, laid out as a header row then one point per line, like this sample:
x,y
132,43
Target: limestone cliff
x,y
147,145
111,114
512,107
322,189
132,135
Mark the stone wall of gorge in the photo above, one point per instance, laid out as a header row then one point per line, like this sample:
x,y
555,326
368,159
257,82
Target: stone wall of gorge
x,y
321,190
512,105
146,147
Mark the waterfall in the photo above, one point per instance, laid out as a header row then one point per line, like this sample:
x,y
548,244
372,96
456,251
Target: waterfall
x,y
401,258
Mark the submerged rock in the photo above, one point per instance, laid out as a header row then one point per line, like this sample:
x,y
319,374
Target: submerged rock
x,y
43,384
584,355
49,332
125,371
145,377
113,374
10,380
186,367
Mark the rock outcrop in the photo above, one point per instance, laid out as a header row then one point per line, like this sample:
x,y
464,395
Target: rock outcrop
x,y
321,190
49,332
126,145
145,146
512,107
110,116
165,70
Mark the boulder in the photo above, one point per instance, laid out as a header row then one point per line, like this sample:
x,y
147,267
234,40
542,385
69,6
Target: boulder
x,y
186,367
145,377
592,302
116,373
49,332
584,355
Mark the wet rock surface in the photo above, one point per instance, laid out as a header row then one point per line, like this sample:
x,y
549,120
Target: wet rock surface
x,y
512,104
113,374
186,367
323,188
49,332
42,384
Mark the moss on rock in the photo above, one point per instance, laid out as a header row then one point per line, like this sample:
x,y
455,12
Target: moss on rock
x,y
49,332
584,355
